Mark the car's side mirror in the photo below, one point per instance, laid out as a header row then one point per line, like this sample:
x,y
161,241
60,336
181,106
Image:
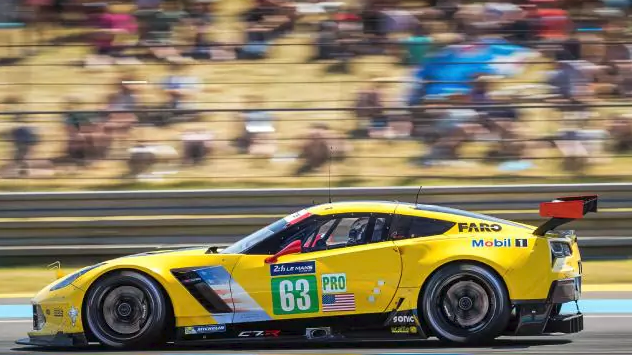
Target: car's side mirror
x,y
293,248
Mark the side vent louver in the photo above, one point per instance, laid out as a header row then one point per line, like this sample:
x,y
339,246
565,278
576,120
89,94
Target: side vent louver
x,y
201,291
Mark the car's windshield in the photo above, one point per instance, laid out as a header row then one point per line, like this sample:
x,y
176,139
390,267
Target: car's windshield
x,y
256,237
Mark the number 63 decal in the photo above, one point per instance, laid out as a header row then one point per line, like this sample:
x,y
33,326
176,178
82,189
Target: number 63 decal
x,y
292,295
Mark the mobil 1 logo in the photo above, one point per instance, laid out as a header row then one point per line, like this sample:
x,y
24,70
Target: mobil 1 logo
x,y
521,243
334,283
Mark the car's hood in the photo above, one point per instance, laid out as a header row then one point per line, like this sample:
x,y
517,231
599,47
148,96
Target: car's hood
x,y
171,252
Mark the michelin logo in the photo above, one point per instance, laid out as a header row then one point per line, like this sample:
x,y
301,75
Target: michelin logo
x,y
499,243
205,329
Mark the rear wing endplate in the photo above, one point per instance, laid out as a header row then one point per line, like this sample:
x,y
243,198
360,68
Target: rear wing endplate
x,y
563,210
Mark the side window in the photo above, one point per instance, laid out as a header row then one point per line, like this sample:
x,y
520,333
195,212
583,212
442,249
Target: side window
x,y
348,231
400,228
303,232
415,227
379,230
319,233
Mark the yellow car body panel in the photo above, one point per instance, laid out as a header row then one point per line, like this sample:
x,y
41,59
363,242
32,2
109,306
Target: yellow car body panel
x,y
380,276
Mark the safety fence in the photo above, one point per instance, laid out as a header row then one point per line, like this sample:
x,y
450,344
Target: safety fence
x,y
116,223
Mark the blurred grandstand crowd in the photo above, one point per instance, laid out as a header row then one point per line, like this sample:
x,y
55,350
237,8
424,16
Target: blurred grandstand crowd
x,y
458,53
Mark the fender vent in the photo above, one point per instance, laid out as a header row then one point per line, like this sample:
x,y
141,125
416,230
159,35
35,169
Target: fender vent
x,y
201,291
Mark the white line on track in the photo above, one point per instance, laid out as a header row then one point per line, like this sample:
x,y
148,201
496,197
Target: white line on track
x,y
28,320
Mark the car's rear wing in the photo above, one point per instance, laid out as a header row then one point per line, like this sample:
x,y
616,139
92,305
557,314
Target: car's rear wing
x,y
563,210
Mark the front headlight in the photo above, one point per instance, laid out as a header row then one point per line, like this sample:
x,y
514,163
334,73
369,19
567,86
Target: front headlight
x,y
72,277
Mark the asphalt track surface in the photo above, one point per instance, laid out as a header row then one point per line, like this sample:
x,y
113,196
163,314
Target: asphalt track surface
x,y
609,333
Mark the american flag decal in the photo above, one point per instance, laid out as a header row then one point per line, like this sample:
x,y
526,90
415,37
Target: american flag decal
x,y
339,302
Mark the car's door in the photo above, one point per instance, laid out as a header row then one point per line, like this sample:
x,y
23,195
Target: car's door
x,y
417,238
347,266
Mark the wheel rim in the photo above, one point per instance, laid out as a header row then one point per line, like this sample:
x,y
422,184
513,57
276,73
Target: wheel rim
x,y
464,304
125,310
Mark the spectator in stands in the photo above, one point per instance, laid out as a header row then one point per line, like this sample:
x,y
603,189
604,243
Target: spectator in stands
x,y
374,21
200,18
109,27
326,37
615,75
76,125
553,23
197,146
264,8
150,161
320,146
24,138
570,80
522,29
263,26
148,4
87,139
256,127
587,16
453,128
510,146
256,42
38,17
415,47
126,94
157,29
118,125
199,14
578,145
370,109
181,88
620,129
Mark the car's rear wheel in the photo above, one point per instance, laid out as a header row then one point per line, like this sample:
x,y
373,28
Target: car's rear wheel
x,y
465,303
126,309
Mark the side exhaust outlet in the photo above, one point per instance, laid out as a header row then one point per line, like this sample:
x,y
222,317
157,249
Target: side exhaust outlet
x,y
317,333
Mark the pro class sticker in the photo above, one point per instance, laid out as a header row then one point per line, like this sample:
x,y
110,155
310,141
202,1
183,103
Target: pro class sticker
x,y
334,283
298,268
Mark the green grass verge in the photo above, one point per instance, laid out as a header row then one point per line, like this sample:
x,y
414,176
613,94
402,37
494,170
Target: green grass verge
x,y
31,279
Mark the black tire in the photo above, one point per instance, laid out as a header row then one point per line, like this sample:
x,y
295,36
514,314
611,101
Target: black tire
x,y
126,310
465,304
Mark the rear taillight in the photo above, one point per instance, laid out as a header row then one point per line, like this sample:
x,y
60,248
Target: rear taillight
x,y
560,249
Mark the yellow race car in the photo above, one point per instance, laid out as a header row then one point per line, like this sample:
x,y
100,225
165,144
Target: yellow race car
x,y
346,270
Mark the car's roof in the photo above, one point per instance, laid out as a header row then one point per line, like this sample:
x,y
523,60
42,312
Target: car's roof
x,y
420,210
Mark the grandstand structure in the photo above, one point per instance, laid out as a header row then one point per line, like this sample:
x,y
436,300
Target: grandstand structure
x,y
235,94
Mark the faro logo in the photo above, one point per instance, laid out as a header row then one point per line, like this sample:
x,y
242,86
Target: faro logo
x,y
479,227
495,243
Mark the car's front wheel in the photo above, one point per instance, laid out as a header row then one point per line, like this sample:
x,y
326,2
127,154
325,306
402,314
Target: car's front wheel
x,y
465,303
126,309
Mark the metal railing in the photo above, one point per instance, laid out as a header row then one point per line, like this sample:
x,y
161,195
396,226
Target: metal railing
x,y
115,223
